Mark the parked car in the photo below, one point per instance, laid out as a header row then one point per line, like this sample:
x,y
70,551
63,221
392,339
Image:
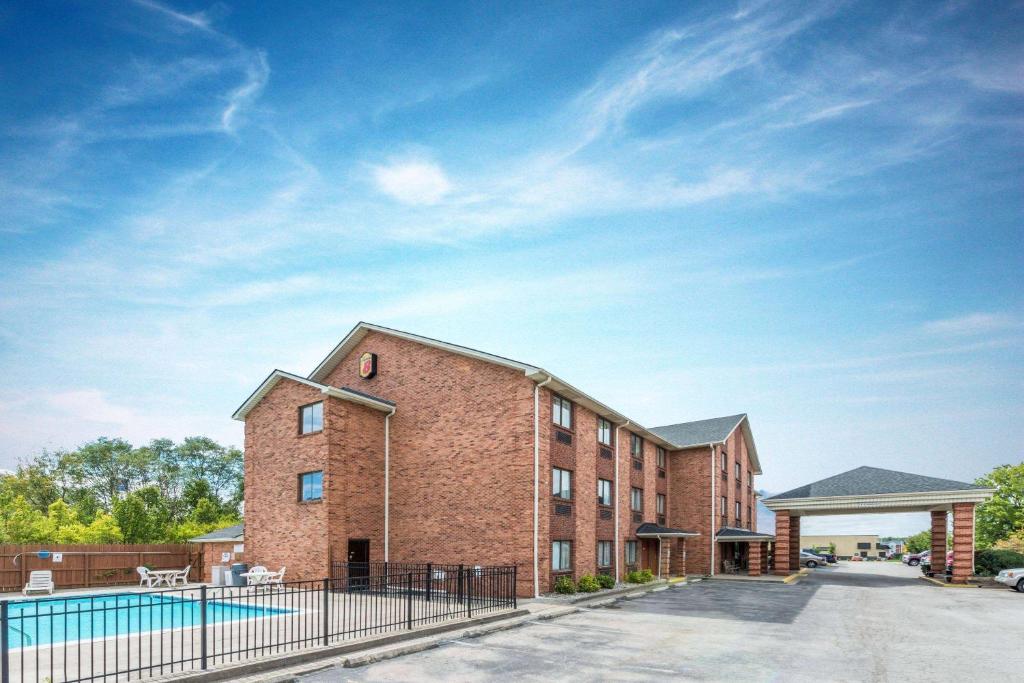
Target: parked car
x,y
927,570
1014,578
811,560
827,556
914,559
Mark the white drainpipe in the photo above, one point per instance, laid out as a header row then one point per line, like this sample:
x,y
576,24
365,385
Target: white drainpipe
x,y
714,478
536,485
387,481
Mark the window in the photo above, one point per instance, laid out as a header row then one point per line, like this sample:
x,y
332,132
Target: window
x,y
636,446
311,418
725,506
863,546
631,552
636,499
561,483
738,513
311,486
561,412
604,431
661,457
739,473
750,518
750,478
660,503
725,461
604,553
604,492
561,556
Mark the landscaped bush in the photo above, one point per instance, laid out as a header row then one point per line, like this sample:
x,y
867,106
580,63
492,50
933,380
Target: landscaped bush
x,y
588,584
990,562
565,585
606,580
642,576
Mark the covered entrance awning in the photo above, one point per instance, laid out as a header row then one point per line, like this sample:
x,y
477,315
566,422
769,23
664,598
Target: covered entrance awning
x,y
652,530
868,490
729,533
666,538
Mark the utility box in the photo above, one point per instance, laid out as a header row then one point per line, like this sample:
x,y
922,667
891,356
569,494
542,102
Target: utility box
x,y
235,575
219,577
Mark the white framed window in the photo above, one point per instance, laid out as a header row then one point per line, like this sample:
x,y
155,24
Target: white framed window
x,y
604,492
725,461
739,514
636,446
311,486
750,479
561,555
561,483
661,457
630,552
604,553
311,418
636,499
604,431
725,506
661,503
739,471
561,412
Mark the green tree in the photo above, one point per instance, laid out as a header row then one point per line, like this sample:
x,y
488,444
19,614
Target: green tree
x,y
1003,514
136,522
112,466
919,542
22,523
103,529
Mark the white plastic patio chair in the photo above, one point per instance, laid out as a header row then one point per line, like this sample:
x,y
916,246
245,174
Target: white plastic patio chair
x,y
145,577
182,575
276,578
39,582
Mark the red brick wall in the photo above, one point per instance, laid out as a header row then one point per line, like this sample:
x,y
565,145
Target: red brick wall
x,y
461,454
689,503
211,556
280,530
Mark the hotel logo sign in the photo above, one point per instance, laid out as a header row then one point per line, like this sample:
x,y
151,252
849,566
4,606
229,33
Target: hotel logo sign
x,y
367,365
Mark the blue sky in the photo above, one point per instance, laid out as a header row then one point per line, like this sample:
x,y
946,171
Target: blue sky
x,y
810,212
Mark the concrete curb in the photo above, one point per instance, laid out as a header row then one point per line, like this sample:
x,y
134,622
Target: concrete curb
x,y
314,657
948,585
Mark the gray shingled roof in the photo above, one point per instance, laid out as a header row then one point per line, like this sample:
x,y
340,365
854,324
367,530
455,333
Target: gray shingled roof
x,y
228,533
651,528
727,532
700,432
867,481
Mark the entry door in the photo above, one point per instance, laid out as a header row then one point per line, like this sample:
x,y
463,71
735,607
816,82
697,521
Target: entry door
x,y
650,555
358,564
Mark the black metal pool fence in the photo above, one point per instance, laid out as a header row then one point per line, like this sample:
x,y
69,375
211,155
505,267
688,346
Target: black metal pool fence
x,y
128,636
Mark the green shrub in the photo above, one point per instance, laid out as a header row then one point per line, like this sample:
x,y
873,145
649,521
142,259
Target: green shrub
x,y
606,580
588,584
646,576
565,585
633,577
991,561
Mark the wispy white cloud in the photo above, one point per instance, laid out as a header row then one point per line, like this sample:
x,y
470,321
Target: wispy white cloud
x,y
412,182
972,324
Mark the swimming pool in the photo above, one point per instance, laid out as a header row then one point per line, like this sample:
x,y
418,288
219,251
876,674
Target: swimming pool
x,y
57,620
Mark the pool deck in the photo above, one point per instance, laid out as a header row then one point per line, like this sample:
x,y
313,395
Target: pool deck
x,y
94,590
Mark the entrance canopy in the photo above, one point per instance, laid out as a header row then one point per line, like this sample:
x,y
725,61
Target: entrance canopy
x,y
729,533
870,489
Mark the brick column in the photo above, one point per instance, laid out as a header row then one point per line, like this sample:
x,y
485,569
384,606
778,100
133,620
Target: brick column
x,y
939,542
677,565
665,561
764,557
963,541
794,544
754,558
782,522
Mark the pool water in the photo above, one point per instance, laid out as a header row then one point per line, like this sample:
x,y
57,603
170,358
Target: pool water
x,y
47,621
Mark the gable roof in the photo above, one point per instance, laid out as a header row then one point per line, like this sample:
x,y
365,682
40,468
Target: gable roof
x,y
649,529
711,432
868,481
731,533
344,393
228,533
533,372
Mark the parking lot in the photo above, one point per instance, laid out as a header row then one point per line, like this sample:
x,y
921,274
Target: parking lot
x,y
855,622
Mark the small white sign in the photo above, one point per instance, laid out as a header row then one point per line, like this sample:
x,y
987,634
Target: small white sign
x,y
239,548
225,557
58,557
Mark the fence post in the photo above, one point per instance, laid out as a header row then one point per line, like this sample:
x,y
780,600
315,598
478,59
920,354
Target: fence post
x,y
202,622
469,595
430,579
5,647
459,585
408,600
387,581
515,586
326,610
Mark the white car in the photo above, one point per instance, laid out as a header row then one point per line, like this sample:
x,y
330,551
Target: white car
x,y
1014,578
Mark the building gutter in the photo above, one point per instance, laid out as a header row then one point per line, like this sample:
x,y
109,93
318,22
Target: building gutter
x,y
536,484
714,532
618,531
387,481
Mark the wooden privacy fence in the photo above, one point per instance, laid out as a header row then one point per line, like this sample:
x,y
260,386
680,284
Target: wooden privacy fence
x,y
85,565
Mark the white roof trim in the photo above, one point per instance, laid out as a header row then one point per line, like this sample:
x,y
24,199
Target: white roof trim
x,y
239,537
880,502
674,534
753,537
277,375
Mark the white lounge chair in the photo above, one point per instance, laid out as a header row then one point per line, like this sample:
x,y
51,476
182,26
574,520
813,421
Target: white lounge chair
x,y
39,582
182,575
145,577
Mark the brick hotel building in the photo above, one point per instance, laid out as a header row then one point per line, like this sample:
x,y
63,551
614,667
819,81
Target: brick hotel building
x,y
402,448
